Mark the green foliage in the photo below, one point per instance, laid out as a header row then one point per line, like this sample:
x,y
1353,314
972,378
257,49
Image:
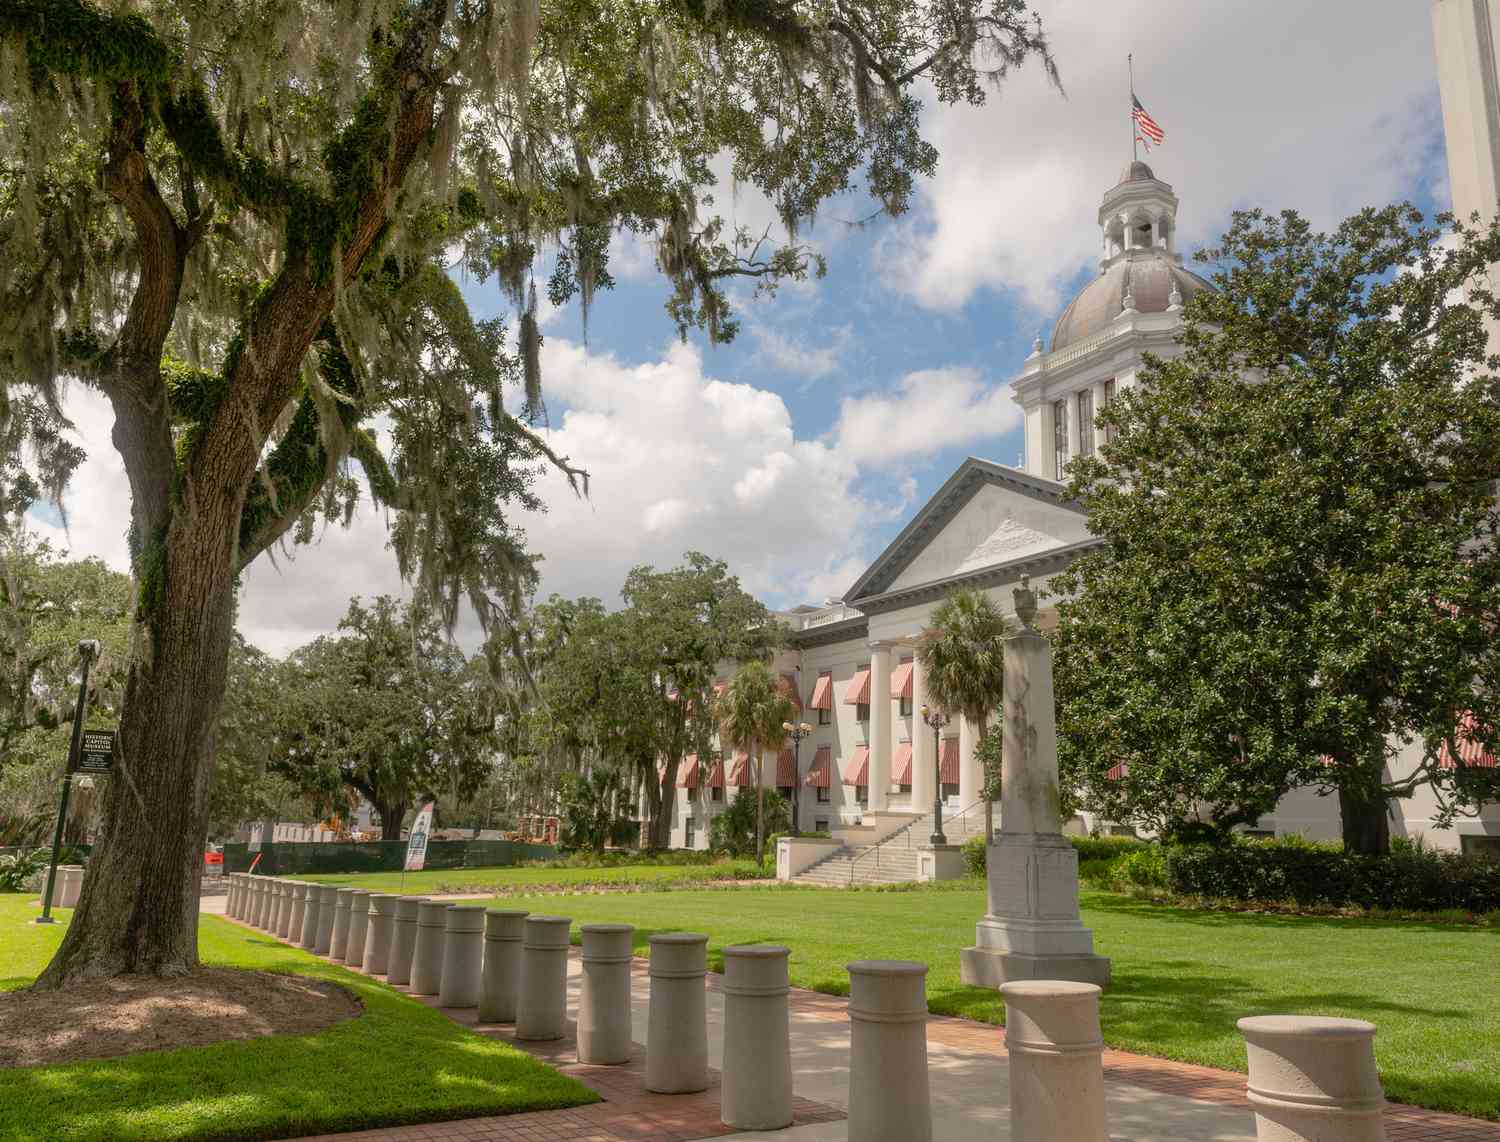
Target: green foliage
x,y
390,710
1307,874
1300,558
732,830
17,869
593,809
975,861
1098,857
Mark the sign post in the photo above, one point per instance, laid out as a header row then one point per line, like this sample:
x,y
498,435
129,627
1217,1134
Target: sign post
x,y
88,649
416,843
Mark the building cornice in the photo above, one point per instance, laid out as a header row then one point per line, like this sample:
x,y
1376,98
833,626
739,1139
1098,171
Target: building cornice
x,y
996,575
829,633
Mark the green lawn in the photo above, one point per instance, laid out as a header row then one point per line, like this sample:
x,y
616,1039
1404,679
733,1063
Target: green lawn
x,y
1181,978
511,880
399,1062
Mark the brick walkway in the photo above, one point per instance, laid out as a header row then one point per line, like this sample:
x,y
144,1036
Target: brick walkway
x,y
630,1113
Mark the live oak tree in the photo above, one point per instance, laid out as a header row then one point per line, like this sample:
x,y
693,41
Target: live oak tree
x,y
236,223
1299,571
389,710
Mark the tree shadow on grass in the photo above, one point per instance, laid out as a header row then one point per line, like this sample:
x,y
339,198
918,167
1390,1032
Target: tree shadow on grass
x,y
1179,915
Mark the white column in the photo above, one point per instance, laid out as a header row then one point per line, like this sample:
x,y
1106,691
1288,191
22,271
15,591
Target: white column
x,y
1099,405
880,725
970,777
1075,429
923,754
1048,457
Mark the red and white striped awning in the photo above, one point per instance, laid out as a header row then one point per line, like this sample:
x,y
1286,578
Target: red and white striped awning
x,y
901,764
1117,771
858,693
789,687
687,776
743,773
820,776
857,772
1471,751
716,777
948,762
719,687
901,679
786,769
822,698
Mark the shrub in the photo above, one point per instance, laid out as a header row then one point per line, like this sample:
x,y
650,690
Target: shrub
x,y
974,856
1409,878
1097,856
17,870
733,830
1106,848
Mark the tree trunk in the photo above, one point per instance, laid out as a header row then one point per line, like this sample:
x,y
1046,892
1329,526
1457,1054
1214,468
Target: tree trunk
x,y
1365,819
760,810
139,909
392,813
661,823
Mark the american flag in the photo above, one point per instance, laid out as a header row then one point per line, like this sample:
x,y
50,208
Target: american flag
x,y
1146,127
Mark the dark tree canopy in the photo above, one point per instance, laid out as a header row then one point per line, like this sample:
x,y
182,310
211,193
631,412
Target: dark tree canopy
x,y
238,223
1300,570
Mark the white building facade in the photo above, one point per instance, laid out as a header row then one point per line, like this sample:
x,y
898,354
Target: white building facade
x,y
870,763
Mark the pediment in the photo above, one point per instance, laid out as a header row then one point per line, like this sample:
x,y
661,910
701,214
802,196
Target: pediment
x,y
986,515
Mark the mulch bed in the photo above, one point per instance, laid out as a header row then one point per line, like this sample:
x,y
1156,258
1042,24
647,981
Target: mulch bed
x,y
128,1014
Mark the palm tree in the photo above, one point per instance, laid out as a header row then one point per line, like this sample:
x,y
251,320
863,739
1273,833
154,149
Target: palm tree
x,y
963,663
750,713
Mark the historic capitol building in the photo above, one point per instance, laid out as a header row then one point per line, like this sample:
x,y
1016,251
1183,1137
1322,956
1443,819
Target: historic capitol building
x,y
870,764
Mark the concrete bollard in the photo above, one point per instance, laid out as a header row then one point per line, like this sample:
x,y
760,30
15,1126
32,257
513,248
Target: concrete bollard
x,y
427,955
403,939
890,1099
262,902
60,885
757,1071
463,956
252,904
542,987
677,1027
604,1020
1056,1061
299,911
284,908
378,932
338,941
502,965
328,895
1313,1079
72,885
232,902
359,924
312,916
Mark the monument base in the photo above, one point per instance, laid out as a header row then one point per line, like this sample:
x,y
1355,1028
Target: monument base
x,y
988,967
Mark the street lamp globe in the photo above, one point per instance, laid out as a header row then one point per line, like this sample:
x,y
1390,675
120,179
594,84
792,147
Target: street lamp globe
x,y
787,726
925,711
805,728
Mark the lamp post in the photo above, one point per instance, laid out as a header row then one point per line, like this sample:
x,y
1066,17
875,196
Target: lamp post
x,y
88,650
796,733
937,720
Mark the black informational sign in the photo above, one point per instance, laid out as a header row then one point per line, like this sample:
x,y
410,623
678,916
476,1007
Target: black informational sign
x,y
97,752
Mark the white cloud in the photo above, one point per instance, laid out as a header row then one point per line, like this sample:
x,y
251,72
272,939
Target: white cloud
x,y
679,460
793,354
97,501
930,410
1321,107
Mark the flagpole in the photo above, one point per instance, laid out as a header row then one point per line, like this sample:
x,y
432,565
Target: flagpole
x,y
1130,63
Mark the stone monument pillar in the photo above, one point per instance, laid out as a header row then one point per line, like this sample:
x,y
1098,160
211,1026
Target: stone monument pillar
x,y
1032,929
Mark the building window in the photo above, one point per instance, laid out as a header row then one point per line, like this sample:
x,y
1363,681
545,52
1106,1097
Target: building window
x,y
862,794
692,828
862,712
1109,400
1059,437
785,791
1086,422
716,793
825,717
820,824
950,789
906,706
1477,844
904,788
825,794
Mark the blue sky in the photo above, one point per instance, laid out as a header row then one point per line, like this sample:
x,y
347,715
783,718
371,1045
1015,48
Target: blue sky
x,y
797,451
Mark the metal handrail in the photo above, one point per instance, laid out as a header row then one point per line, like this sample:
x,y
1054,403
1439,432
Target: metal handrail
x,y
905,832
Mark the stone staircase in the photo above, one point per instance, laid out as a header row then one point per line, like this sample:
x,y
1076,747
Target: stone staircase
x,y
896,860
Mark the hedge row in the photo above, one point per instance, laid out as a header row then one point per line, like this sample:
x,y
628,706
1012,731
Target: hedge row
x,y
1408,878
